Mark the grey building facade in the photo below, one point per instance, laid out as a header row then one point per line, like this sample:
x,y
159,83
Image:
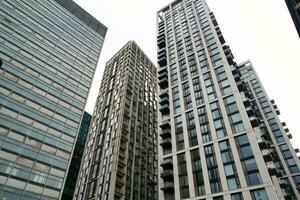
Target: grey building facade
x,y
216,142
294,8
77,157
49,51
120,158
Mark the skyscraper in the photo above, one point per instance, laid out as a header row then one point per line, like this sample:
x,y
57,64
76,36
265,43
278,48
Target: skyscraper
x,y
220,137
76,157
49,51
120,158
294,8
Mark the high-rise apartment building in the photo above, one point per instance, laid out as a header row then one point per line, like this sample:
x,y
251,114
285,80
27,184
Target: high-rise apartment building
x,y
120,158
220,136
49,51
77,157
294,8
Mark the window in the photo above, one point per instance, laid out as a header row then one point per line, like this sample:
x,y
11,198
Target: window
x,y
237,196
218,120
248,161
204,125
259,194
197,173
234,115
213,171
229,165
183,178
179,133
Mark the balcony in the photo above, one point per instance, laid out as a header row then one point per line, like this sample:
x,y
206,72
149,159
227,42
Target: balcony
x,y
163,75
167,164
164,101
254,122
165,133
283,183
161,41
241,86
213,18
220,35
163,83
167,174
165,124
164,93
272,169
263,144
168,187
290,136
267,155
287,130
162,58
161,24
162,70
165,109
277,112
166,142
247,103
250,111
283,124
229,55
297,150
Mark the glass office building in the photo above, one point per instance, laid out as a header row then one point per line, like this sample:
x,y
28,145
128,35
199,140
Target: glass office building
x,y
49,51
220,136
76,157
120,158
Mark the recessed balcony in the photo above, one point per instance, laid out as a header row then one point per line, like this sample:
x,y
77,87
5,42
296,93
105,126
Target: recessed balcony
x,y
163,75
168,187
166,142
163,83
165,124
241,86
165,133
247,103
254,121
161,42
267,155
272,169
162,70
165,109
263,144
162,60
250,111
167,163
220,35
167,174
283,183
164,101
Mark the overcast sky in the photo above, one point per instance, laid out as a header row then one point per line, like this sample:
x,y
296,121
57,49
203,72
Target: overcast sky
x,y
261,31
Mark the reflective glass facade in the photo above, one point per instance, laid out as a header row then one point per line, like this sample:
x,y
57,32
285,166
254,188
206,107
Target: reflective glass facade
x,y
217,142
120,158
48,59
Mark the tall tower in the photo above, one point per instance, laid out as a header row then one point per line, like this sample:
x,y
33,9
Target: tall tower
x,y
216,142
120,158
48,54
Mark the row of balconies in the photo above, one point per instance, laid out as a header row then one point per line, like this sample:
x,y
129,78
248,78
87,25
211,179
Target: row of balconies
x,y
275,107
228,54
220,35
213,18
167,175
